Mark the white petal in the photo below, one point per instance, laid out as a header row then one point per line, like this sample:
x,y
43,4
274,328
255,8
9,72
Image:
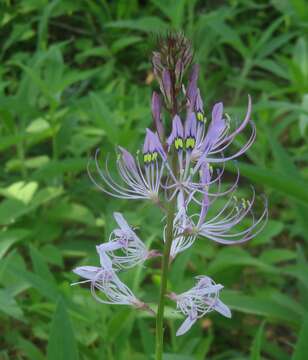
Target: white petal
x,y
87,272
109,246
222,309
186,325
104,259
121,221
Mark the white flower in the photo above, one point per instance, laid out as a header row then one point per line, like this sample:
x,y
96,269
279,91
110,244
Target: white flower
x,y
199,300
124,241
105,280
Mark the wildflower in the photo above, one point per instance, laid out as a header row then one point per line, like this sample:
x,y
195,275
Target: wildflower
x,y
220,227
138,183
125,240
198,301
105,280
211,144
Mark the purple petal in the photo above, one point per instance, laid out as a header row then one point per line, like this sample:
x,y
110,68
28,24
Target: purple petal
x,y
191,126
186,325
152,144
177,130
128,159
199,102
244,122
216,128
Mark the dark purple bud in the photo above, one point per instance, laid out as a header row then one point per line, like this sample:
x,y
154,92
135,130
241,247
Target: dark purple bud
x,y
166,82
156,113
179,70
192,88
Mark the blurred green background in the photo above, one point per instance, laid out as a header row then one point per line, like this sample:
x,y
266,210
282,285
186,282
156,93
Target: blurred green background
x,y
76,75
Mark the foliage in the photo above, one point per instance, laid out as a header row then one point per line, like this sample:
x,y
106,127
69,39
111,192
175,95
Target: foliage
x,y
74,76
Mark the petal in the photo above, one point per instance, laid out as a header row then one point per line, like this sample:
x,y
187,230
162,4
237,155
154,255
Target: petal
x,y
186,325
104,259
128,159
222,309
177,130
199,103
121,222
109,246
87,272
190,126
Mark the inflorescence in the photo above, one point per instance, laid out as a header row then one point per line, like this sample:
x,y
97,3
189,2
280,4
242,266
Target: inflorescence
x,y
187,166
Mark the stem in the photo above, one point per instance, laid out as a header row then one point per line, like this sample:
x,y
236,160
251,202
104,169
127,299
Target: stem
x,y
164,278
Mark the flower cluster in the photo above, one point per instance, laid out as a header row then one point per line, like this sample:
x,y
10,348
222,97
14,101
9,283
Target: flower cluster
x,y
185,168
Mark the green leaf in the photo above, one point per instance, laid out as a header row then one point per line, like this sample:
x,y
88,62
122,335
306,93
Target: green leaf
x,y
20,191
285,184
146,24
29,349
301,349
10,237
262,306
255,352
9,306
62,344
57,167
40,266
74,212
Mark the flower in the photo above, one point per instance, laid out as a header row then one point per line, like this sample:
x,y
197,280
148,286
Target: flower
x,y
198,301
211,144
105,280
220,226
128,243
138,183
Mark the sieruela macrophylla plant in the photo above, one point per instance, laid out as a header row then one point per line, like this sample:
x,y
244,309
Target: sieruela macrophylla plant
x,y
180,171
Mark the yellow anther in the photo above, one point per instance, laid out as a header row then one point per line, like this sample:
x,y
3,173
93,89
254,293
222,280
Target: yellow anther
x,y
147,158
154,156
190,143
201,117
178,143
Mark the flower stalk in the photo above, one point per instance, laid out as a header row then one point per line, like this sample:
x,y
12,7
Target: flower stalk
x,y
164,280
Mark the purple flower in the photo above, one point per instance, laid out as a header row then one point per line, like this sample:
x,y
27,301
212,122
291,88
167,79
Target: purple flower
x,y
138,183
198,301
220,226
210,145
124,247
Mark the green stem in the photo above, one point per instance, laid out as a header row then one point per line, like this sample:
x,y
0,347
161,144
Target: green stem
x,y
164,278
